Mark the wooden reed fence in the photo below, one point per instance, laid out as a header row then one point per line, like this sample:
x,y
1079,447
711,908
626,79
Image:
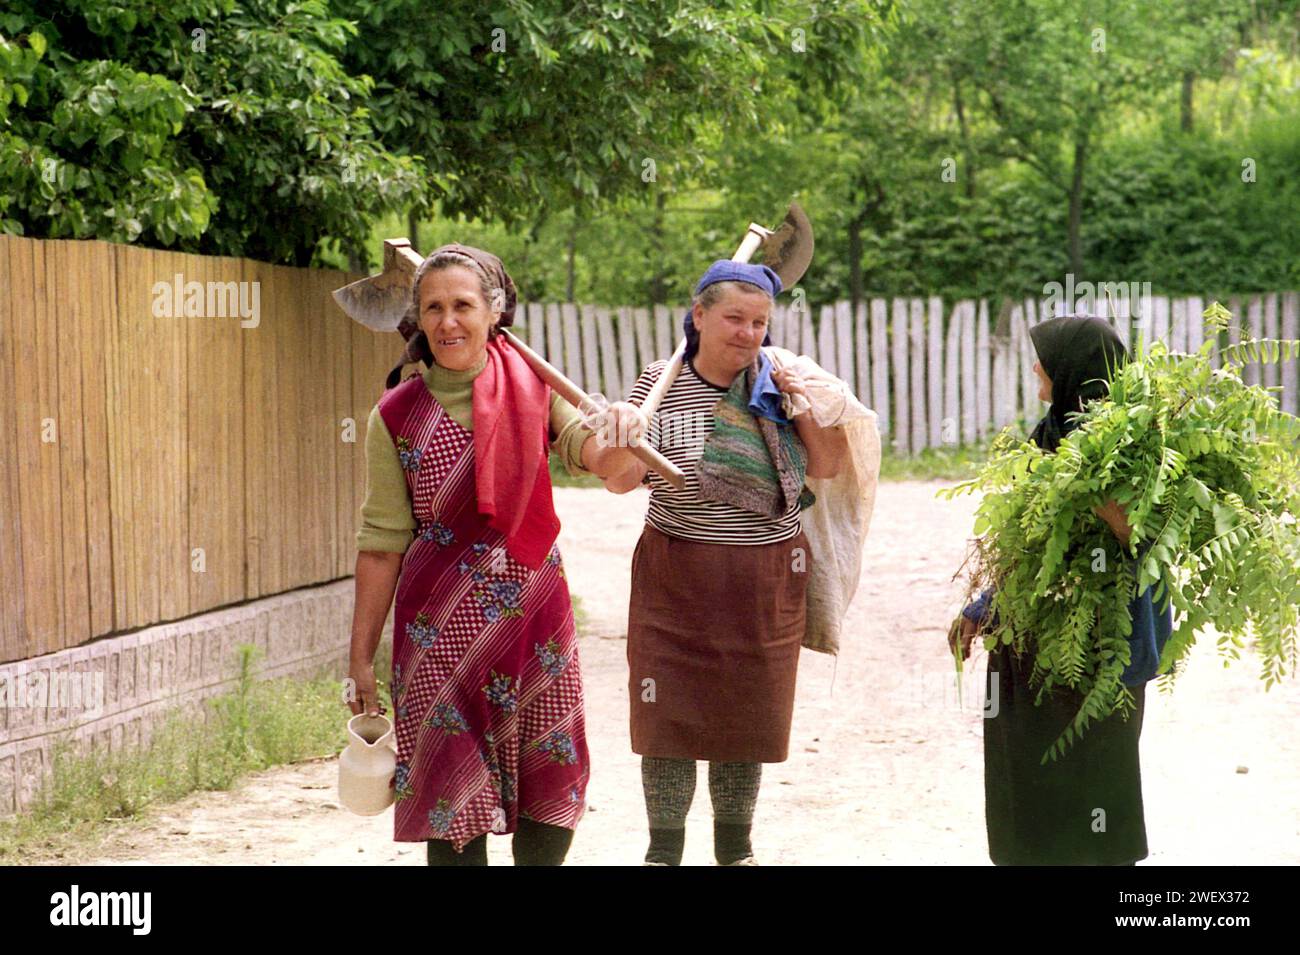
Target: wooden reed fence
x,y
153,468
937,375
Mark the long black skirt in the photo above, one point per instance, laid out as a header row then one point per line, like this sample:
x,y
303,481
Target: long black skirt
x,y
1083,809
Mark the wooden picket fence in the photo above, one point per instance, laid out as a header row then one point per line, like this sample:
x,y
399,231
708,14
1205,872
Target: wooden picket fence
x,y
937,374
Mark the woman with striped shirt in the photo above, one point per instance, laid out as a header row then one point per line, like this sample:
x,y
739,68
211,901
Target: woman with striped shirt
x,y
720,572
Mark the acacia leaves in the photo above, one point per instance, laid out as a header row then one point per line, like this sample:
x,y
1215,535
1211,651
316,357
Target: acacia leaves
x,y
1207,469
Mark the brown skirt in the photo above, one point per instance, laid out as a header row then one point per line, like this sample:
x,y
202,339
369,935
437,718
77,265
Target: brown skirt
x,y
713,640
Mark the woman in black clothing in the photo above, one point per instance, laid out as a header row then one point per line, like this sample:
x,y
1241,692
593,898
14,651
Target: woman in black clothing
x,y
1086,807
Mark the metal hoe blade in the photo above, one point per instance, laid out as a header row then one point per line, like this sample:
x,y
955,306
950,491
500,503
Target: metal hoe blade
x,y
789,249
380,301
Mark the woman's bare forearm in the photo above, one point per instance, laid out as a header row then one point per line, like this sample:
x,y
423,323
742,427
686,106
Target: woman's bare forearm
x,y
627,480
376,573
827,447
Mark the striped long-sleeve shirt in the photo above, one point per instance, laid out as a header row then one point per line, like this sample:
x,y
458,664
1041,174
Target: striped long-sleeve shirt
x,y
678,430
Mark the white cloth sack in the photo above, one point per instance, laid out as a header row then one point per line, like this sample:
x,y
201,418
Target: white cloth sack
x,y
836,525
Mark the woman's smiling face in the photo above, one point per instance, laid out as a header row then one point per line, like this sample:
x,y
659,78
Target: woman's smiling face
x,y
455,317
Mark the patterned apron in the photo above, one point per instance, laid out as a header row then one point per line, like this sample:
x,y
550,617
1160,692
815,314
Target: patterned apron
x,y
485,683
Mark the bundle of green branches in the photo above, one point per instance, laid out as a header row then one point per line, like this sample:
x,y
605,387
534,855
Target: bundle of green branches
x,y
1207,469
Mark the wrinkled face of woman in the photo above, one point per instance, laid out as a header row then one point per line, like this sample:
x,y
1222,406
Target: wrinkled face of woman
x,y
455,317
732,328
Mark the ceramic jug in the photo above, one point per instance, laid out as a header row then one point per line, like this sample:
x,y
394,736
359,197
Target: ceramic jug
x,y
367,765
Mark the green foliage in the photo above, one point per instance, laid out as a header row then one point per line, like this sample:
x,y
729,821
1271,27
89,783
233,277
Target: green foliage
x,y
1005,90
1161,205
524,107
287,130
278,129
1208,472
199,125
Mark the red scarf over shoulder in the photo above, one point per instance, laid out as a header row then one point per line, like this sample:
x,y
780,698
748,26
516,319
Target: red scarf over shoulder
x,y
512,411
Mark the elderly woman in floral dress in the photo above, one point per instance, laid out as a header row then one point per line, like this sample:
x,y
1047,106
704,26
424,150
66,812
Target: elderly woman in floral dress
x,y
458,525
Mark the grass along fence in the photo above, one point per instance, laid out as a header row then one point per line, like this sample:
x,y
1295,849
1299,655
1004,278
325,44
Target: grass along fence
x,y
209,745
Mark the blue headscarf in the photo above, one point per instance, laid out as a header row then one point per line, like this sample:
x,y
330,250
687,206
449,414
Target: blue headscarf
x,y
724,270
765,399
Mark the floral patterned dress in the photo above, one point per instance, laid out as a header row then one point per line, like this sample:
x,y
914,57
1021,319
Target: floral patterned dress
x,y
486,684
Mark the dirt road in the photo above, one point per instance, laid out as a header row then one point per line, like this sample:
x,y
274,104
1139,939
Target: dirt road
x,y
884,767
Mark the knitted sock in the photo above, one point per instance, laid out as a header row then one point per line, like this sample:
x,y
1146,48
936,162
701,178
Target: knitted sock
x,y
440,852
733,788
537,843
669,786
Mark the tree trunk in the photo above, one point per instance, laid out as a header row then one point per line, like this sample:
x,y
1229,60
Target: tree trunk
x,y
658,283
530,243
1189,79
968,181
413,228
855,260
868,211
571,251
1076,208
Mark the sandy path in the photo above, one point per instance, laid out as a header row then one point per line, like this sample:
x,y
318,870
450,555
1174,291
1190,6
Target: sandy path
x,y
883,768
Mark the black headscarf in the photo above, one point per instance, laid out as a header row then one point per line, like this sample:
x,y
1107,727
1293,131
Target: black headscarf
x,y
1080,355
